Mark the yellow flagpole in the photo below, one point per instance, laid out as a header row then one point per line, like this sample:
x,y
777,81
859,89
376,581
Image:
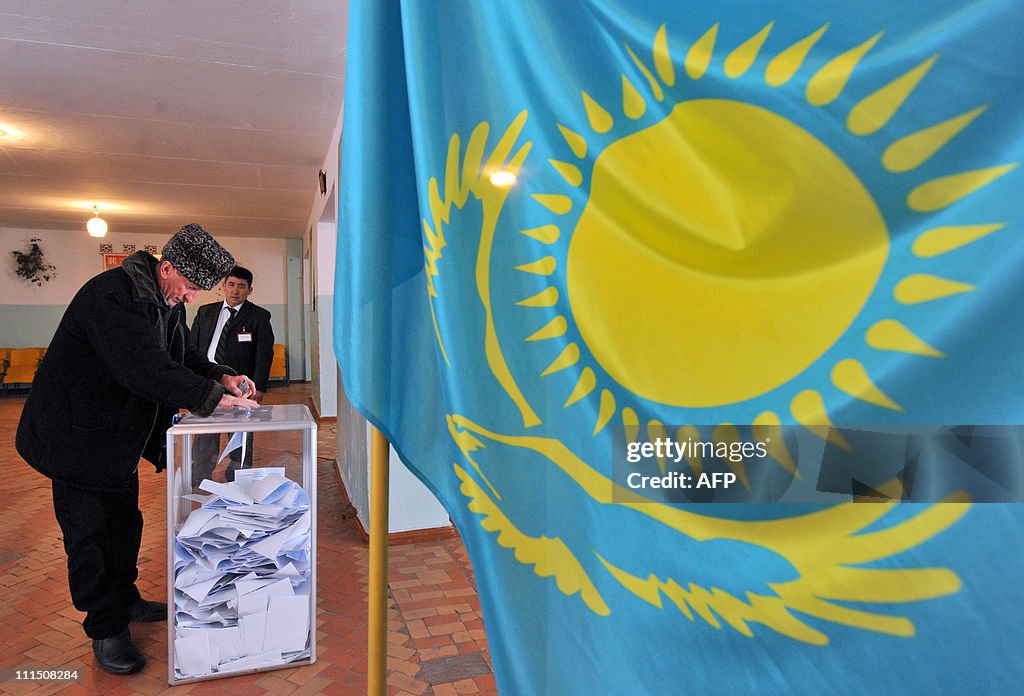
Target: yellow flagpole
x,y
377,669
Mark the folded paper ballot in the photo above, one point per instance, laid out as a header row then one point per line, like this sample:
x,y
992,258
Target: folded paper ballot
x,y
241,563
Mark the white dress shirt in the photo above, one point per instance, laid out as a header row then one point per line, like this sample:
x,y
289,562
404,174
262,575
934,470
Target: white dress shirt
x,y
221,321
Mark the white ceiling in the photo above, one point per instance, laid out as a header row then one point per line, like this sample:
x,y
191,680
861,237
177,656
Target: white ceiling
x,y
165,112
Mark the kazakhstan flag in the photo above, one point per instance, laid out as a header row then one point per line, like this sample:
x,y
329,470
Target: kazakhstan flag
x,y
566,225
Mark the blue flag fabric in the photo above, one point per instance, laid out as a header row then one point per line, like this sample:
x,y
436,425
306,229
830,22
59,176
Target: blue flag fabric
x,y
566,225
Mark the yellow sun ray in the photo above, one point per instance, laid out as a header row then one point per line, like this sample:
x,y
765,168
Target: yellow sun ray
x,y
921,287
547,234
555,202
663,59
655,431
542,267
947,190
783,67
633,104
940,240
656,90
767,427
830,81
576,142
687,433
876,109
743,56
699,56
605,411
569,356
600,120
631,423
544,298
911,151
851,377
889,334
553,329
584,385
808,408
728,433
570,172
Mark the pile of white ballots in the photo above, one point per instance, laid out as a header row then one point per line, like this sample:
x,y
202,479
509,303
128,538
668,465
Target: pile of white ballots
x,y
242,576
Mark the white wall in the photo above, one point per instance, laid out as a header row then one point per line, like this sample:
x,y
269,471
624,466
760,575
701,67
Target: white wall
x,y
325,374
412,506
353,457
77,258
32,312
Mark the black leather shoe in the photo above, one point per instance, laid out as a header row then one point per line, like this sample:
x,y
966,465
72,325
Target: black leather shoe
x,y
147,612
118,654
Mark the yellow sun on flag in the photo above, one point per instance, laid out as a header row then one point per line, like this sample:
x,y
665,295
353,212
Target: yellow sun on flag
x,y
750,222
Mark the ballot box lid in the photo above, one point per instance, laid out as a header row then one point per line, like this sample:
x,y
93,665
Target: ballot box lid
x,y
276,417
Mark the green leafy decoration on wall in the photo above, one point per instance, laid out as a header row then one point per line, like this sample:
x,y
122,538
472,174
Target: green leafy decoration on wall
x,y
32,265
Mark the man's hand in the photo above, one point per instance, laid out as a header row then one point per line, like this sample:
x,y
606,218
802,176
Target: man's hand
x,y
227,402
239,385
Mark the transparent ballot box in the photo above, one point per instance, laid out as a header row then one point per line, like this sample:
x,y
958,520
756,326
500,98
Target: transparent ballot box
x,y
241,542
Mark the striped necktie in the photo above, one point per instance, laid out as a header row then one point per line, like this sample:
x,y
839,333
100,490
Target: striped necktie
x,y
222,342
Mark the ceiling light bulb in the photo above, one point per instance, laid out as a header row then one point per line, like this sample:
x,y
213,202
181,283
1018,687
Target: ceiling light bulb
x,y
10,133
96,226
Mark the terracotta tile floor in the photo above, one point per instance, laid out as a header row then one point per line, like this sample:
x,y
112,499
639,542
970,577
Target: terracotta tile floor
x,y
436,640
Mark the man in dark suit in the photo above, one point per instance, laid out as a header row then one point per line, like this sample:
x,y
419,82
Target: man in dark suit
x,y
238,334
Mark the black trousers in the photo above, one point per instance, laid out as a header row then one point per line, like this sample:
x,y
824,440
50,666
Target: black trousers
x,y
205,451
102,534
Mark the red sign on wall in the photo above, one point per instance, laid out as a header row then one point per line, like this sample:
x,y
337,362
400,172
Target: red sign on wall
x,y
113,260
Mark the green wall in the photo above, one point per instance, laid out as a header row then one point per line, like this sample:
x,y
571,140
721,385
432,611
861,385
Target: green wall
x,y
26,326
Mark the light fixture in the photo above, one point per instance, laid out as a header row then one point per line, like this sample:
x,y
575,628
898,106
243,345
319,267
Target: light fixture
x,y
97,226
503,178
10,133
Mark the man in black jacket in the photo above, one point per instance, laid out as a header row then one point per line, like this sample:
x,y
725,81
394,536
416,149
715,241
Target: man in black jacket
x,y
236,333
114,374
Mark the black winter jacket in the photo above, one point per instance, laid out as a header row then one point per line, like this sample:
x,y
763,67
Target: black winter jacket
x,y
113,376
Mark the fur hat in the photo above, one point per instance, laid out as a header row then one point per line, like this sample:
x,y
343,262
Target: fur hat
x,y
198,256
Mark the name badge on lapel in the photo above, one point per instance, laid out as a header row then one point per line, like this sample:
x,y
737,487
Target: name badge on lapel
x,y
245,337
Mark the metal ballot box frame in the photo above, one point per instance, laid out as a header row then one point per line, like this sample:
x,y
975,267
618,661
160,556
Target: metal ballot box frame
x,y
283,437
